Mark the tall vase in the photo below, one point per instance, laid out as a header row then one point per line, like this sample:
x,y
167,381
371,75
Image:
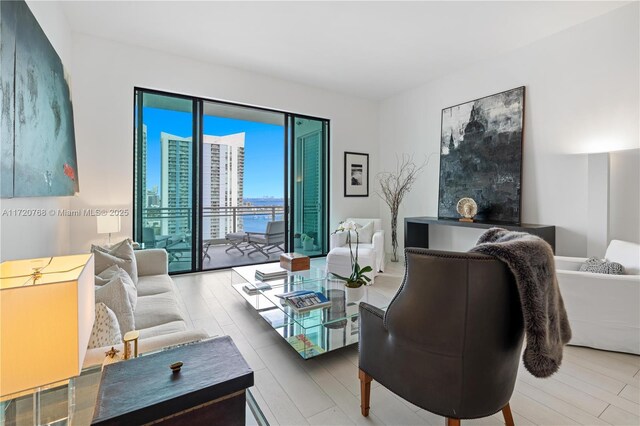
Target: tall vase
x,y
394,235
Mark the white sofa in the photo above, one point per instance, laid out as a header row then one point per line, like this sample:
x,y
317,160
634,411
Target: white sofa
x,y
158,315
603,310
372,255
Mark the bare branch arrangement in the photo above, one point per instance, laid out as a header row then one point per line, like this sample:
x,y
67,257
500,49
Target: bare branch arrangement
x,y
393,188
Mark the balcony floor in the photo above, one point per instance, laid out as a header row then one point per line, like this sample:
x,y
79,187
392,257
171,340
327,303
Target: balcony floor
x,y
220,259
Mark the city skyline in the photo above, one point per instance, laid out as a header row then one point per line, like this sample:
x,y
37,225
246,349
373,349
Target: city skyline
x,y
264,148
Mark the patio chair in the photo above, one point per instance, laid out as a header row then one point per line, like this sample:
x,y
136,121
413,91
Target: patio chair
x,y
151,240
235,240
205,249
271,239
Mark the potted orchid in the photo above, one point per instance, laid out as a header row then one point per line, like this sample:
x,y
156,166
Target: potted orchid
x,y
307,242
357,277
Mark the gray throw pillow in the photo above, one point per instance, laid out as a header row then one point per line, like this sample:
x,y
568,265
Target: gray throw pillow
x,y
120,254
115,271
115,295
132,291
600,266
106,331
105,276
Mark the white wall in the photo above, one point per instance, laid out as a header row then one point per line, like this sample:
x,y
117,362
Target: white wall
x,y
25,237
624,195
104,76
581,96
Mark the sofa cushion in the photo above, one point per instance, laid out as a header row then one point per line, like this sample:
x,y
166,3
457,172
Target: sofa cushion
x,y
115,295
162,329
625,253
154,284
120,254
157,309
106,331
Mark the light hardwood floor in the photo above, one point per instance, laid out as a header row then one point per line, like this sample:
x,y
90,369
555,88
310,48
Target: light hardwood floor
x,y
592,387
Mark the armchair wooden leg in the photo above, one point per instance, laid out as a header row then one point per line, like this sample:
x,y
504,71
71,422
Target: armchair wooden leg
x,y
365,392
508,418
453,422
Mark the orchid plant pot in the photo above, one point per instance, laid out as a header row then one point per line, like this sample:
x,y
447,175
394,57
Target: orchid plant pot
x,y
307,244
354,294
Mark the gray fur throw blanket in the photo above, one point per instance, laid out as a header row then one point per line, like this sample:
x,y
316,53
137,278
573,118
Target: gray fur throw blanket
x,y
531,260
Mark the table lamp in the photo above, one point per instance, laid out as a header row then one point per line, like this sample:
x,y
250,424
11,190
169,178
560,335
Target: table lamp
x,y
47,309
108,225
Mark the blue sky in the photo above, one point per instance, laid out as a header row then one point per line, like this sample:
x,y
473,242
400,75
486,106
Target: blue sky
x,y
263,152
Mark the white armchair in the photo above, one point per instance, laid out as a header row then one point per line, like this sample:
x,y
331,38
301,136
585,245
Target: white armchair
x,y
603,309
339,239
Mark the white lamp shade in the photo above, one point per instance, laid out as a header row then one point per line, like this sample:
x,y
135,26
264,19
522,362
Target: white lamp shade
x,y
44,327
108,224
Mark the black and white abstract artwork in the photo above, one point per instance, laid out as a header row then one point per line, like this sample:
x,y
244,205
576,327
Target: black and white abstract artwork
x,y
481,156
356,174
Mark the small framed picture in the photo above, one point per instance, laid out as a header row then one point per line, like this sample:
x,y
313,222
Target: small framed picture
x,y
356,174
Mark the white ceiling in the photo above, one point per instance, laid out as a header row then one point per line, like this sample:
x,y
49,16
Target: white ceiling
x,y
368,49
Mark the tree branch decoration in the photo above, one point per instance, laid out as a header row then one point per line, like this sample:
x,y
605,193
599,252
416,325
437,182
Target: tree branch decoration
x,y
394,186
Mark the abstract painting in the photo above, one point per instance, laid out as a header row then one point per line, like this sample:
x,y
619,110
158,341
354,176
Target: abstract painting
x,y
481,156
356,174
38,139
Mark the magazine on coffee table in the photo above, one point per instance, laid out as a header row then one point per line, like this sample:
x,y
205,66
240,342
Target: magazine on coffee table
x,y
305,300
256,288
270,272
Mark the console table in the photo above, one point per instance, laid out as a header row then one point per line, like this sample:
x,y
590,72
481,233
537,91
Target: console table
x,y
416,229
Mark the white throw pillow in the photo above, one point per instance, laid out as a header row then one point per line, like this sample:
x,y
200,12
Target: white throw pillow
x,y
365,234
625,253
120,254
115,295
106,331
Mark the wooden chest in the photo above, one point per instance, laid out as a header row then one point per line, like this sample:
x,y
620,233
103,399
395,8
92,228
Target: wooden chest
x,y
294,262
209,389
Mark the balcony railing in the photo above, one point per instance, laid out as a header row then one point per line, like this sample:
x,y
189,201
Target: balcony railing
x,y
155,217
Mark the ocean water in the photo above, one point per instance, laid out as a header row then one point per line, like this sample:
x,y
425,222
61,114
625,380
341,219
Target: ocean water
x,y
258,222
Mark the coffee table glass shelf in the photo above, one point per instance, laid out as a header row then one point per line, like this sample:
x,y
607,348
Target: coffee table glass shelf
x,y
317,331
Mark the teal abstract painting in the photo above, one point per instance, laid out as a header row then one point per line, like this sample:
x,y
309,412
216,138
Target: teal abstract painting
x,y
38,139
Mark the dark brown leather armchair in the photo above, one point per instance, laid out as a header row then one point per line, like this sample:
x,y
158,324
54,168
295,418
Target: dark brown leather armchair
x,y
451,339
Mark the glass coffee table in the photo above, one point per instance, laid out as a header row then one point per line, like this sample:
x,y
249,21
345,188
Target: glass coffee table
x,y
317,331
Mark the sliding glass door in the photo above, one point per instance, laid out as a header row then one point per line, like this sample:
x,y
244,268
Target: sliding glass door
x,y
243,179
164,193
309,184
220,185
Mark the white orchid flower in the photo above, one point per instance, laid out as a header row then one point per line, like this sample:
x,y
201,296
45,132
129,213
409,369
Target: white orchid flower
x,y
347,226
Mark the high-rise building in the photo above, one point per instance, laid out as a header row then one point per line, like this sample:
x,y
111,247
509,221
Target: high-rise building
x,y
176,183
222,183
143,172
153,197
